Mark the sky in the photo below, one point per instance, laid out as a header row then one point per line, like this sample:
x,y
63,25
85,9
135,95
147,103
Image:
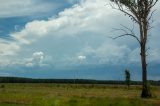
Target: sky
x,y
71,39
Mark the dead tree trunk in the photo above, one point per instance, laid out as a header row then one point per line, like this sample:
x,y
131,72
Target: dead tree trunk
x,y
143,40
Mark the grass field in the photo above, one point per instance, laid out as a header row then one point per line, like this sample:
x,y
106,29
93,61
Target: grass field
x,y
74,95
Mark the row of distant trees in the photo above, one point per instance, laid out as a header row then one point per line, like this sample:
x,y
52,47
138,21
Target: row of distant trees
x,y
72,81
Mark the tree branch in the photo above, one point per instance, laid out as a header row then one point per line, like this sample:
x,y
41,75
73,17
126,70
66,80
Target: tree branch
x,y
127,32
120,8
151,15
131,35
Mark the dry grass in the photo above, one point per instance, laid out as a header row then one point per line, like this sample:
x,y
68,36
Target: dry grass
x,y
69,94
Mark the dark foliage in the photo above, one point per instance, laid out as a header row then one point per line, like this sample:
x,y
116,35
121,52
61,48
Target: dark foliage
x,y
128,80
68,81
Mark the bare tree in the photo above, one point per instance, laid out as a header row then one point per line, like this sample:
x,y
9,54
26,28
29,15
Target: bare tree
x,y
140,12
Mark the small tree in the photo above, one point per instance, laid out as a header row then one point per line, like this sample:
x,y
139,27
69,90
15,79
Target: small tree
x,y
127,76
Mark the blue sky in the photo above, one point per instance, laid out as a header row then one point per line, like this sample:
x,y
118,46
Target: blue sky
x,y
70,39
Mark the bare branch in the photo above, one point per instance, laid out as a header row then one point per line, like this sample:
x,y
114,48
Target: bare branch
x,y
116,29
127,32
132,27
152,4
131,35
151,14
127,28
147,49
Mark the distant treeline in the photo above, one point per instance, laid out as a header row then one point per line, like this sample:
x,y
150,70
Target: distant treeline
x,y
71,81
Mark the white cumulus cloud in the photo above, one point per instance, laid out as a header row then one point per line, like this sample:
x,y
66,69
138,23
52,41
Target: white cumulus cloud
x,y
36,59
81,58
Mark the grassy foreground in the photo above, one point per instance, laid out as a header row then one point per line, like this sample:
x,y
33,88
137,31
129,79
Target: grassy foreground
x,y
74,95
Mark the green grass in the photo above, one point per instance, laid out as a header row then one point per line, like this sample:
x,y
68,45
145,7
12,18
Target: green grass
x,y
75,95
